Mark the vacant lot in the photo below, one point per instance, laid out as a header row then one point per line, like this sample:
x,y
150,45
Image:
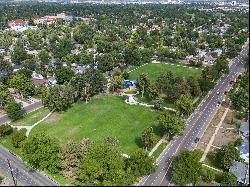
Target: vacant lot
x,y
154,70
101,117
227,134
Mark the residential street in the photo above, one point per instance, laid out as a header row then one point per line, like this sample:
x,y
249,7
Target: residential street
x,y
196,125
28,109
24,177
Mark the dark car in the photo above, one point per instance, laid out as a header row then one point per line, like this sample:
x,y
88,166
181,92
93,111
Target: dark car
x,y
231,82
196,140
226,92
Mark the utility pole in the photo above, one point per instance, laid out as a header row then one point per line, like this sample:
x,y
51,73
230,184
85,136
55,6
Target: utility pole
x,y
11,171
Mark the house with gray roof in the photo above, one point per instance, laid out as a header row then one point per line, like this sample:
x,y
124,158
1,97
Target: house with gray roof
x,y
241,171
244,129
244,151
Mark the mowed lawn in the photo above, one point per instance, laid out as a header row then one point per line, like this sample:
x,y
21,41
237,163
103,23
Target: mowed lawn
x,y
154,70
32,118
100,118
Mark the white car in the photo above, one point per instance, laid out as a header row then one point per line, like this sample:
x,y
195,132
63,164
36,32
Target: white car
x,y
218,93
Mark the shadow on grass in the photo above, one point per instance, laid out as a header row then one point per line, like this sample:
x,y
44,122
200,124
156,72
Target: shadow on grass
x,y
213,161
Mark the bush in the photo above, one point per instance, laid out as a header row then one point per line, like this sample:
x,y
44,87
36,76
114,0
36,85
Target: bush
x,y
240,115
228,179
1,179
125,75
238,142
5,130
209,176
18,138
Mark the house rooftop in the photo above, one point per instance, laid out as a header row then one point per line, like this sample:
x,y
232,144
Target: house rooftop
x,y
244,127
244,148
241,171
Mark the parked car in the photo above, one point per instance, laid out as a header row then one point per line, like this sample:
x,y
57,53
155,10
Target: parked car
x,y
226,92
196,140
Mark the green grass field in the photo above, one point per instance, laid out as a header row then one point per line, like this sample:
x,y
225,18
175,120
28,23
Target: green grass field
x,y
102,117
32,117
154,70
159,150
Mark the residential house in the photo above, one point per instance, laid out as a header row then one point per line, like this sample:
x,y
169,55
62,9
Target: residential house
x,y
2,51
44,20
218,52
7,58
244,151
2,73
209,59
241,171
17,22
244,129
33,52
37,76
16,67
51,81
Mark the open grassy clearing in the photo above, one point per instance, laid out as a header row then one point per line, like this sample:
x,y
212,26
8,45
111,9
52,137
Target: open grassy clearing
x,y
32,117
102,117
154,70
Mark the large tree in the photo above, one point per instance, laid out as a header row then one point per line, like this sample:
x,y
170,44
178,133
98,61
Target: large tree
x,y
71,154
143,83
96,80
42,152
185,104
148,138
14,110
64,74
59,97
226,156
228,179
140,163
22,84
102,165
187,167
173,123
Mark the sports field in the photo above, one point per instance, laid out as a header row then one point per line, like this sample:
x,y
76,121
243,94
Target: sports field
x,y
154,70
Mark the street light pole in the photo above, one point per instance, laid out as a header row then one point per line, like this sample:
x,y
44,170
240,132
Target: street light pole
x,y
11,171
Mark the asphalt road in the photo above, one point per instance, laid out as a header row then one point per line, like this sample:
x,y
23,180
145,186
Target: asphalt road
x,y
23,176
29,108
195,125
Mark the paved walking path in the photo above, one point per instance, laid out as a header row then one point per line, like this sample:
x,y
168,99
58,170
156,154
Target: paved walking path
x,y
131,101
212,168
29,128
157,145
212,138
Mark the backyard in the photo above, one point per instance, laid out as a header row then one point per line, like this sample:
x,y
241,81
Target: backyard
x,y
101,117
154,70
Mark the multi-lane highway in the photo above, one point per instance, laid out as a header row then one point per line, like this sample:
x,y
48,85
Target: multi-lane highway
x,y
195,125
22,175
